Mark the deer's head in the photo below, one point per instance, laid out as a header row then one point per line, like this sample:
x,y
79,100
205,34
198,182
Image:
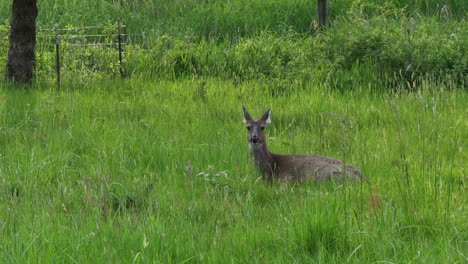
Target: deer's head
x,y
255,127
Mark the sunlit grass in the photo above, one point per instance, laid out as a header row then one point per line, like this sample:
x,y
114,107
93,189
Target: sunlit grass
x,y
155,168
140,171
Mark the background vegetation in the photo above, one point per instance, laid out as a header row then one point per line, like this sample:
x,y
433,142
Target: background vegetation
x,y
215,19
155,168
392,44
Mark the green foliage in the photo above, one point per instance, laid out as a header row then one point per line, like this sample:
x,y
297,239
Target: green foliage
x,y
216,19
147,171
154,168
378,52
373,44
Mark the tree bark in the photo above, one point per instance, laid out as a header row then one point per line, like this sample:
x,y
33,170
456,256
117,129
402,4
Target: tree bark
x,y
21,53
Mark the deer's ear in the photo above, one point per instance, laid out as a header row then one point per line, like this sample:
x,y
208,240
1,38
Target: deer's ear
x,y
247,116
266,116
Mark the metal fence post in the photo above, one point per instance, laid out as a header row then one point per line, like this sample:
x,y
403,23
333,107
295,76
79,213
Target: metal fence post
x,y
120,49
57,55
322,7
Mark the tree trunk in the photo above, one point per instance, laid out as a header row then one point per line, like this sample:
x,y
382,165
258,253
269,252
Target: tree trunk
x,y
21,57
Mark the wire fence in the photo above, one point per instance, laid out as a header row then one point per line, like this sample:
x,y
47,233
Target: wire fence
x,y
63,50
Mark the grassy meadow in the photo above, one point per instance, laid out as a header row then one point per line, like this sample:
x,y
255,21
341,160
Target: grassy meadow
x,y
155,167
137,171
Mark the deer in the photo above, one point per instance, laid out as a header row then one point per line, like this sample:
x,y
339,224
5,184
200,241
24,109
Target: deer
x,y
292,167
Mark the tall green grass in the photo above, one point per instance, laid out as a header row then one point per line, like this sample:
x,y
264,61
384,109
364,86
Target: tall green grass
x,y
155,168
216,19
385,51
371,43
138,171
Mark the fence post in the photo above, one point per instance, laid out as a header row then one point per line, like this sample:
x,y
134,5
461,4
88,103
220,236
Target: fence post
x,y
120,49
322,7
57,54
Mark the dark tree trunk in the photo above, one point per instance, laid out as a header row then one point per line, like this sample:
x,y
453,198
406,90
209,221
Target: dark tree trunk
x,y
21,57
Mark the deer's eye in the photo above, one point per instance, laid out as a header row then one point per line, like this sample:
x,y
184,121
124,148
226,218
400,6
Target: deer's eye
x,y
248,128
262,128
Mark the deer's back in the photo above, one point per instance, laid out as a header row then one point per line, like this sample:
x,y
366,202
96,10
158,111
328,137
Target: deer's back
x,y
312,167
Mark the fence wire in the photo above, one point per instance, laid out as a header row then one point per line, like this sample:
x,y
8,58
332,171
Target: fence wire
x,y
64,51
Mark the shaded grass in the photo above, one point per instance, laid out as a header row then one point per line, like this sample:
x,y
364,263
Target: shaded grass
x,y
389,50
218,19
137,171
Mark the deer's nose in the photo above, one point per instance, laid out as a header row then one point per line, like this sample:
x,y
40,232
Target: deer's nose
x,y
254,139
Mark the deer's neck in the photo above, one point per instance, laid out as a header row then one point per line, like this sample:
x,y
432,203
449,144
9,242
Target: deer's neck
x,y
263,159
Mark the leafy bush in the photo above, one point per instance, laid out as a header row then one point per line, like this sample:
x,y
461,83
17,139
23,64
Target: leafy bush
x,y
389,49
373,45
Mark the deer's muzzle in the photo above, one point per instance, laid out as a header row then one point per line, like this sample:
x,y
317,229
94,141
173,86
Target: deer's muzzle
x,y
254,139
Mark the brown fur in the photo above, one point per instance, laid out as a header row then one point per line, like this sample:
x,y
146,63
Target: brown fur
x,y
292,167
